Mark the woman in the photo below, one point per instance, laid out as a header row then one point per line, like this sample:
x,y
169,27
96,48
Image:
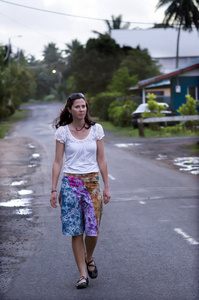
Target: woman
x,y
81,140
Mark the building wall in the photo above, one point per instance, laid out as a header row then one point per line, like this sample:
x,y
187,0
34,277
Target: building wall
x,y
165,91
184,81
168,64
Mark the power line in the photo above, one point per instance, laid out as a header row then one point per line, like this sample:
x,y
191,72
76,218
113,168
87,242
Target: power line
x,y
69,15
13,20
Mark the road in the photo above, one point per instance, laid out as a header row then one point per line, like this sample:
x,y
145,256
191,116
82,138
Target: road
x,y
149,238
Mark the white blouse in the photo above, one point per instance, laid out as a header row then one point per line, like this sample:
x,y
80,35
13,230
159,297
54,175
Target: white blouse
x,y
81,155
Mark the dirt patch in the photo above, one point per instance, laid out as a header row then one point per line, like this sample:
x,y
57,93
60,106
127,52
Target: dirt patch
x,y
16,167
166,151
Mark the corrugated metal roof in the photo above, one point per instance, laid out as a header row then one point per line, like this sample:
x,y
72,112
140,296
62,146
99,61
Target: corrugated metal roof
x,y
190,66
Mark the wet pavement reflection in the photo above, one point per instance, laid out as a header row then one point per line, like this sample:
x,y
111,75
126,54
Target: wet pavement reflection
x,y
188,164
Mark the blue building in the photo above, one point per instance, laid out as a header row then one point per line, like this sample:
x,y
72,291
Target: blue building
x,y
183,81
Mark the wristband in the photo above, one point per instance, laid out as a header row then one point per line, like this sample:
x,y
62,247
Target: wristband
x,y
54,191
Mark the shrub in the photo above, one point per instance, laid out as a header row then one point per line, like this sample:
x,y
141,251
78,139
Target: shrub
x,y
50,97
188,108
100,103
120,114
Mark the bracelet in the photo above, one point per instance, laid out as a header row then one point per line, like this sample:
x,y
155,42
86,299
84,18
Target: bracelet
x,y
54,191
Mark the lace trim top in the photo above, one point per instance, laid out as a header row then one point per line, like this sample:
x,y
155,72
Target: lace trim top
x,y
81,155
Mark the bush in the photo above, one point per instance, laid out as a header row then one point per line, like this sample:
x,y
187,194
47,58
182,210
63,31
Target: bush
x,y
49,98
188,108
120,114
100,103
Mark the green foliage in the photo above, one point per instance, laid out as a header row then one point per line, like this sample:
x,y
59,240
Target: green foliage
x,y
16,84
100,103
181,12
140,63
121,81
116,23
51,53
120,113
50,97
154,107
93,66
188,108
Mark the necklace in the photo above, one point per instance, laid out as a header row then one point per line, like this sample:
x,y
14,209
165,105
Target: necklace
x,y
80,128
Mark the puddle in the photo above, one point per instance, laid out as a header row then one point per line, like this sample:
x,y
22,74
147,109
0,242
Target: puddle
x,y
16,183
21,205
35,155
31,146
23,211
9,260
17,202
188,164
127,145
161,156
34,160
29,219
32,165
24,192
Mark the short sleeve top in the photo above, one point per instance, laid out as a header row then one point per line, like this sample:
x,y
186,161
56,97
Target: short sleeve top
x,y
80,155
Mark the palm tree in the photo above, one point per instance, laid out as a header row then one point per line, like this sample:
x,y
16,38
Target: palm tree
x,y
74,45
182,13
116,24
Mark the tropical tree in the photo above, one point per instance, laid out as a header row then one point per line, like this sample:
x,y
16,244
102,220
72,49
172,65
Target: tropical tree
x,y
121,81
140,63
182,13
115,23
51,53
74,45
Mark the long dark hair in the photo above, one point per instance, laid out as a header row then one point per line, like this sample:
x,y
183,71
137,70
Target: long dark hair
x,y
66,118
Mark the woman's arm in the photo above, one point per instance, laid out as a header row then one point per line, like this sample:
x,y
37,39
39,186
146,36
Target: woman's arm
x,y
101,160
56,169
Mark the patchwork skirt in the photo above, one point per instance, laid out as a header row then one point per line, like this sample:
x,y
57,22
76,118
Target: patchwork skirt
x,y
81,204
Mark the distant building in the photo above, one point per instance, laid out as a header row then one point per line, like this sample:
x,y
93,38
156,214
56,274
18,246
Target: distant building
x,y
161,44
183,80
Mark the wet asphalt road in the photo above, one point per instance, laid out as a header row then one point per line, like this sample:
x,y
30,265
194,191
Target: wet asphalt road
x,y
148,243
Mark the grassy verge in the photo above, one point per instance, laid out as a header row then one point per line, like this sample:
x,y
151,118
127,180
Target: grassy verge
x,y
149,133
194,148
6,125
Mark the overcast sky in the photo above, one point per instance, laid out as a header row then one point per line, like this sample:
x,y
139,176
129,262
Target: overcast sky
x,y
38,28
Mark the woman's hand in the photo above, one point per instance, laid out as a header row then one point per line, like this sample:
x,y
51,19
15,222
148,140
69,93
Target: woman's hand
x,y
106,195
53,199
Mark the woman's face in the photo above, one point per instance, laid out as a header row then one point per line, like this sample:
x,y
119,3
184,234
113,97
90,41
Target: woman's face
x,y
78,109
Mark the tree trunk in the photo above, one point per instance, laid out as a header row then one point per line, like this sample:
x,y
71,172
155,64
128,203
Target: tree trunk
x,y
177,47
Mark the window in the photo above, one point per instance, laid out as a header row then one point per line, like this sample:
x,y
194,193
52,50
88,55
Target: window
x,y
194,92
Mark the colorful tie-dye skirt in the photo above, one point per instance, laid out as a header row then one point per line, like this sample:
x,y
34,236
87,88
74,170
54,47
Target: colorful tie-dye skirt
x,y
81,204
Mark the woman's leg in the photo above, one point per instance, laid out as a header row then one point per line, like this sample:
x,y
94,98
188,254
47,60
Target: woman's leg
x,y
90,242
79,254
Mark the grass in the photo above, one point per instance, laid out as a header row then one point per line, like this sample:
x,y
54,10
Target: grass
x,y
149,133
194,148
6,125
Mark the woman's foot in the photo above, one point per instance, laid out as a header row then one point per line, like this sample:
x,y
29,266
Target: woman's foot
x,y
92,269
82,282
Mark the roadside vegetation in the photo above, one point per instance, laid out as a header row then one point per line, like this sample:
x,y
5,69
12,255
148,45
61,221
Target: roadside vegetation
x,y
7,124
169,131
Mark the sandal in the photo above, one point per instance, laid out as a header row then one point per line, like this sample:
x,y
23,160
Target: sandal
x,y
92,274
82,285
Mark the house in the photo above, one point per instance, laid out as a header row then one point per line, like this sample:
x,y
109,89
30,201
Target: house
x,y
183,81
161,44
161,90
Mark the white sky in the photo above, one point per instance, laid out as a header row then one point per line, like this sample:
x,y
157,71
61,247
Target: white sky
x,y
40,28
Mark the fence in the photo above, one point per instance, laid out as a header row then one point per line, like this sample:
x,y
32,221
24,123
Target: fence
x,y
165,120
